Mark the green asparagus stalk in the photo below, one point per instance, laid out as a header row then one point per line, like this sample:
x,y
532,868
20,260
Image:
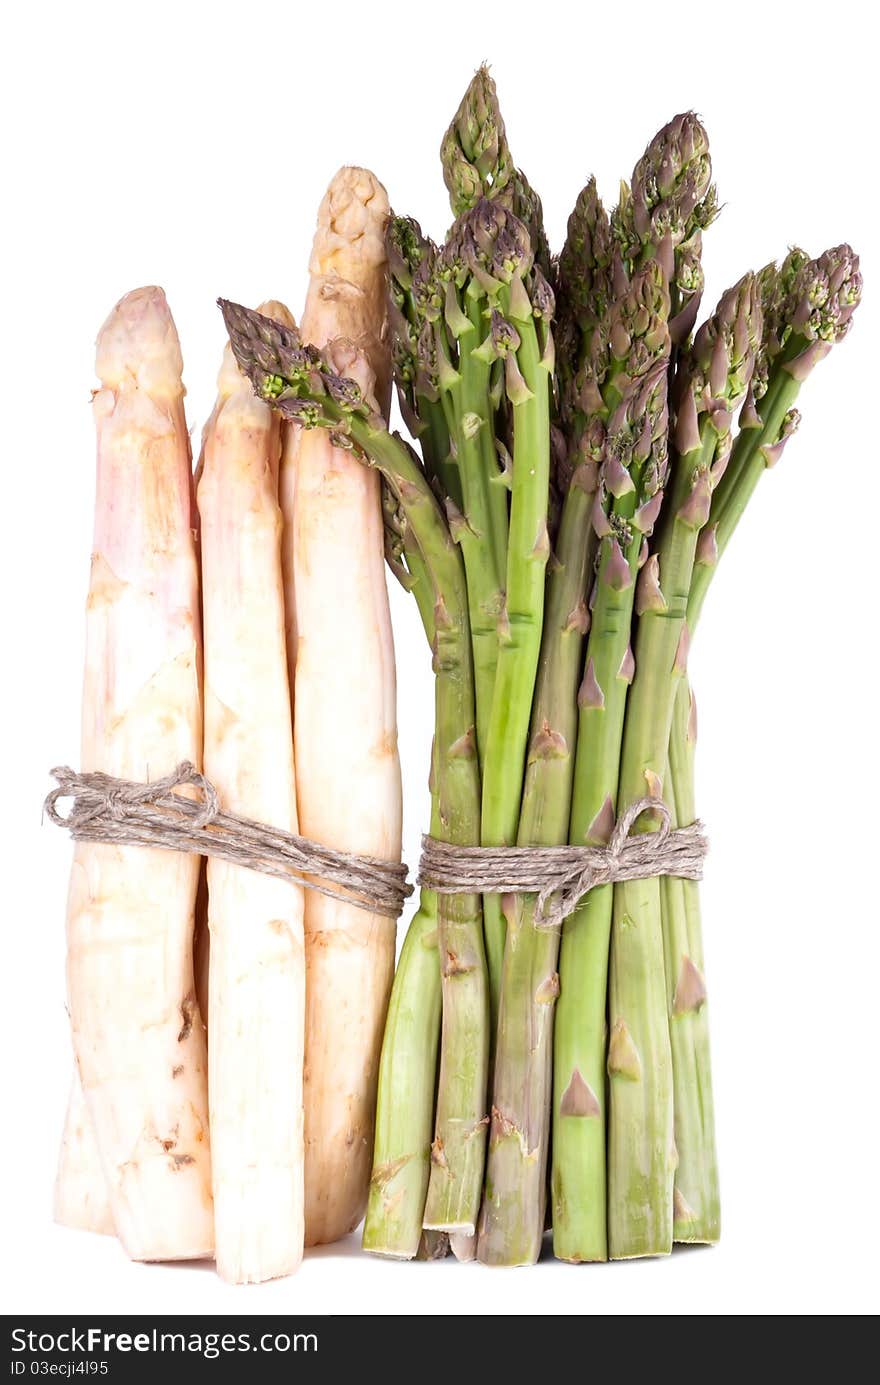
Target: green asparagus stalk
x,y
494,249
512,1216
696,1199
299,382
484,185
436,326
408,1063
405,560
407,1081
634,410
808,306
519,338
458,1148
671,203
656,226
640,1147
462,390
412,260
479,520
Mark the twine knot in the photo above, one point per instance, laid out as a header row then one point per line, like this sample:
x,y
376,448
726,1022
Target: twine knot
x,y
561,876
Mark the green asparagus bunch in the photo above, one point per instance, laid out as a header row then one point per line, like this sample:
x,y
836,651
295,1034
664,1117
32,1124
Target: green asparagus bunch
x,y
582,459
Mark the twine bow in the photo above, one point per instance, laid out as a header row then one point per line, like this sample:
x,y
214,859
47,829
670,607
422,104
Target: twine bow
x,y
124,811
561,876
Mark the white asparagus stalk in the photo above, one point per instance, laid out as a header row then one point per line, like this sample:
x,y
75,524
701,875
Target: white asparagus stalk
x,y
257,963
341,648
81,1201
138,1035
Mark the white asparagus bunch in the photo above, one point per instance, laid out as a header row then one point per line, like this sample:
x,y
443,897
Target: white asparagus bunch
x,y
341,655
256,964
138,1035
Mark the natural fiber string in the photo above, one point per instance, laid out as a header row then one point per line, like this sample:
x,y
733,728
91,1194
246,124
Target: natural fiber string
x,y
562,875
128,813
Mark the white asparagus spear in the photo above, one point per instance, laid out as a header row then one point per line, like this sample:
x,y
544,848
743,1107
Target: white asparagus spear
x,y
138,1035
257,964
81,1201
348,772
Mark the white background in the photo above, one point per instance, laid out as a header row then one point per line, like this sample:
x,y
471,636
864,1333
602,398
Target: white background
x,y
189,145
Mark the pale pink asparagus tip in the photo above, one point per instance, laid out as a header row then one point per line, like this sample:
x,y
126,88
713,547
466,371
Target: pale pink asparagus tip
x,y
138,346
351,225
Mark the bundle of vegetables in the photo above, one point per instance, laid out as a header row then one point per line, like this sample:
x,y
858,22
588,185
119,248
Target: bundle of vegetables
x,y
255,1138
583,458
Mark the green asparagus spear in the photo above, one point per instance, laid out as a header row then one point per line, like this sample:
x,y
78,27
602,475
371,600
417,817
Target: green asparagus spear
x,y
512,1217
641,1150
499,236
478,520
634,411
494,250
408,1065
808,306
412,260
657,224
498,251
696,1199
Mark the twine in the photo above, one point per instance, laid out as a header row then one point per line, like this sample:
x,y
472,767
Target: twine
x,y
565,874
129,813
